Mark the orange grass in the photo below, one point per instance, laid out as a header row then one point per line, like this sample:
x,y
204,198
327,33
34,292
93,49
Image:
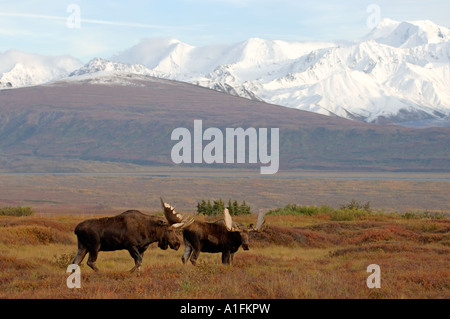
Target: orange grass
x,y
293,257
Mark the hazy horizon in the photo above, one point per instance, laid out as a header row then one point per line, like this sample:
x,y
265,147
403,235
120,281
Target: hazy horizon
x,y
85,29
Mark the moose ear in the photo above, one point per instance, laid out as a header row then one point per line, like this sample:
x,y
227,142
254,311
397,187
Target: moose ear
x,y
162,223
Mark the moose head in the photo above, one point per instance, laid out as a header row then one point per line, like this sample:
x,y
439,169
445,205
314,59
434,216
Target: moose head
x,y
242,230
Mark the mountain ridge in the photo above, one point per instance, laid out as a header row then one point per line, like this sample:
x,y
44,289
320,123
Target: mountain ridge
x,y
80,122
398,73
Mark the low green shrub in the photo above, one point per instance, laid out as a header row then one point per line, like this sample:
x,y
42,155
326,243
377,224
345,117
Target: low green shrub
x,y
347,214
423,215
16,211
293,209
354,205
352,211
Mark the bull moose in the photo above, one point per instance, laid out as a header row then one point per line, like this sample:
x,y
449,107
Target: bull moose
x,y
222,236
130,230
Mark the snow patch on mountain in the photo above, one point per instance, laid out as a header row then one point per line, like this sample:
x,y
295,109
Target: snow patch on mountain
x,y
408,34
18,69
105,66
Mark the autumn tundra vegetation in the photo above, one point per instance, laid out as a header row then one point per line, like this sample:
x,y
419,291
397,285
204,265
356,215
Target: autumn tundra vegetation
x,y
299,252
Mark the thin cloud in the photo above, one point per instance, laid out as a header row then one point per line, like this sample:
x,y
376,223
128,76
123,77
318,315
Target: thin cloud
x,y
91,21
32,16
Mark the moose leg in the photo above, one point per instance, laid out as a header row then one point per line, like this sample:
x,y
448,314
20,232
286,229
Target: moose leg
x,y
134,252
92,259
194,256
226,258
82,251
80,256
187,253
192,250
142,250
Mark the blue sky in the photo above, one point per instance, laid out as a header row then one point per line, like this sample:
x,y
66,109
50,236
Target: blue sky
x,y
109,27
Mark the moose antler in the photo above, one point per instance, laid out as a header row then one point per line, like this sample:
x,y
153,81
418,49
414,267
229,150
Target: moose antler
x,y
175,220
229,222
259,222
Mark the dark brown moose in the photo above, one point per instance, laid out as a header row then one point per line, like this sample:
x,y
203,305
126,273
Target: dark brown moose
x,y
222,236
130,230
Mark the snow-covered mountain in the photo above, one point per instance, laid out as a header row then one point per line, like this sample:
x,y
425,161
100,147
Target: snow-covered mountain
x,y
399,72
408,34
99,65
19,69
